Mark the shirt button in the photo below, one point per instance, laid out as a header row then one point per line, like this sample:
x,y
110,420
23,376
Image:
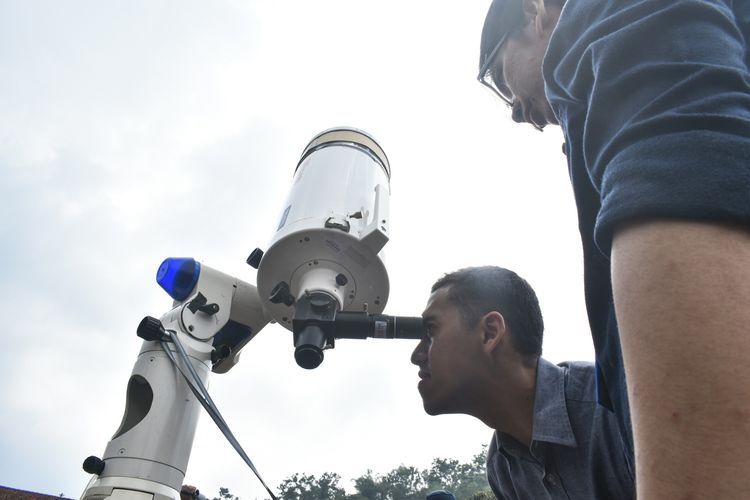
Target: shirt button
x,y
550,479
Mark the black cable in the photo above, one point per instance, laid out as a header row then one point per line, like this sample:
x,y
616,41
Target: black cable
x,y
201,393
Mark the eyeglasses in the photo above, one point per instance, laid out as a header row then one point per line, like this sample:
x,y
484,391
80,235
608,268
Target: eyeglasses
x,y
498,88
485,75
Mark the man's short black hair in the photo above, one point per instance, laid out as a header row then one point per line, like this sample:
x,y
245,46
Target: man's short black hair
x,y
476,291
503,18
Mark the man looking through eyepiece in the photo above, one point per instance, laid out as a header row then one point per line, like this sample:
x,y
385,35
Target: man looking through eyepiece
x,y
481,356
654,102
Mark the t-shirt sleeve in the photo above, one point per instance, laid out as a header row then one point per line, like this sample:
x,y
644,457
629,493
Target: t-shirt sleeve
x,y
666,127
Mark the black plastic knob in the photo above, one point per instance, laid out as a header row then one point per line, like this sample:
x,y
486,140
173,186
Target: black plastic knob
x,y
151,329
281,294
221,352
254,259
93,465
341,279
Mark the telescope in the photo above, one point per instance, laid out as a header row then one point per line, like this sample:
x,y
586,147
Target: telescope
x,y
322,278
326,255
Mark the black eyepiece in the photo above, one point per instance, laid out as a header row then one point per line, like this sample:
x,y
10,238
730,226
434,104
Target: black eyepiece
x,y
308,347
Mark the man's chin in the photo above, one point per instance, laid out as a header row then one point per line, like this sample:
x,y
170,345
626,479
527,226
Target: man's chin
x,y
429,405
540,119
430,409
539,114
432,405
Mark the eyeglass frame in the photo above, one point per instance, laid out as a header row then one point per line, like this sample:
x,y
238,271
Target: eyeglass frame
x,y
493,86
485,68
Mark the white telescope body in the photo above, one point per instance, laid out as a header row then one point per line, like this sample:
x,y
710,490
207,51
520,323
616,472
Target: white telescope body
x,y
333,228
325,257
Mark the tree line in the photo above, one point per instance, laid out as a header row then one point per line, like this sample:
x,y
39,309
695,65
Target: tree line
x,y
467,481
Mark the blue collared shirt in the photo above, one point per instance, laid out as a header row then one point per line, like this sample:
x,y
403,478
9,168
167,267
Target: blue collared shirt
x,y
576,450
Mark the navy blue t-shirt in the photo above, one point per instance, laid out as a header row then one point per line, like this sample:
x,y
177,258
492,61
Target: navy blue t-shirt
x,y
653,97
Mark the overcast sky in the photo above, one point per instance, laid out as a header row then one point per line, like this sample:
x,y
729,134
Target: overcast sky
x,y
131,131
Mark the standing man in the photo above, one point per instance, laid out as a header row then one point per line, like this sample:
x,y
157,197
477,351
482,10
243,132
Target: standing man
x,y
481,356
654,101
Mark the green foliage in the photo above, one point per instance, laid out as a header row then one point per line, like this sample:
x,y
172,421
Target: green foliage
x,y
483,495
464,480
367,487
225,495
403,482
304,487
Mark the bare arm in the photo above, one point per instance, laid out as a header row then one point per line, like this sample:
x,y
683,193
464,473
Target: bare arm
x,y
682,299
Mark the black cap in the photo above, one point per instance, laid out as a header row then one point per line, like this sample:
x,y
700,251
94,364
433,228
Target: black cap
x,y
503,17
441,495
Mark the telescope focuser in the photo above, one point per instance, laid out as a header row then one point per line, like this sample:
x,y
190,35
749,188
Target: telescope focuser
x,y
313,328
317,324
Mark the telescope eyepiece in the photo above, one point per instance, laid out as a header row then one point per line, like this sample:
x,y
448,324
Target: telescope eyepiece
x,y
308,347
308,356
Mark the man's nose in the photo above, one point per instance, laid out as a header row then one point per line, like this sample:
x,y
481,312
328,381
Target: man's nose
x,y
417,356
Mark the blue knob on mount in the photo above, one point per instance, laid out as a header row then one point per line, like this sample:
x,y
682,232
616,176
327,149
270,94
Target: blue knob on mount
x,y
178,276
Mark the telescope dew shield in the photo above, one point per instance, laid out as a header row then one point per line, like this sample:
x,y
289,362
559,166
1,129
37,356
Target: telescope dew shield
x,y
332,228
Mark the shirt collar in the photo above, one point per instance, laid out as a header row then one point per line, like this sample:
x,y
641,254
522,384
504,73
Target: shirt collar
x,y
551,420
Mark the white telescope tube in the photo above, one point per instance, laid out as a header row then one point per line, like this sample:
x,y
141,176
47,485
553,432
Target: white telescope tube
x,y
333,228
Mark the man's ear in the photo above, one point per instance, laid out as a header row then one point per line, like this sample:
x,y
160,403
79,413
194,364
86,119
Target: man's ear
x,y
537,15
494,331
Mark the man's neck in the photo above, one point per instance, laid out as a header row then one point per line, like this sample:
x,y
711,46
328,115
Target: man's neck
x,y
511,408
